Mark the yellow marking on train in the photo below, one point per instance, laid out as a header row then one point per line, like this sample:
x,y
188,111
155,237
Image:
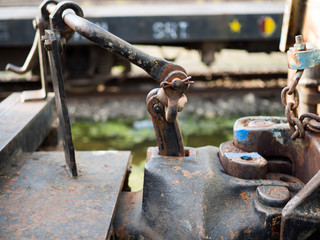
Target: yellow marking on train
x,y
235,26
269,26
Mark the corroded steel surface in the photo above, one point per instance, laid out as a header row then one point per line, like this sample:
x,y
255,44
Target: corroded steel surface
x,y
40,200
301,216
193,198
23,126
273,139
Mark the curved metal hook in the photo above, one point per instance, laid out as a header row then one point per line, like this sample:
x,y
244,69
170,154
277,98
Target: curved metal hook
x,y
30,60
56,18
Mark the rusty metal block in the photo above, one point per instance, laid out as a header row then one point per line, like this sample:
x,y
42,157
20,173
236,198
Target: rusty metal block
x,y
193,198
23,125
242,164
39,200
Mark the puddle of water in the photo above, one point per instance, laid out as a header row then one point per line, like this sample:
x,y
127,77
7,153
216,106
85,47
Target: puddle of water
x,y
115,135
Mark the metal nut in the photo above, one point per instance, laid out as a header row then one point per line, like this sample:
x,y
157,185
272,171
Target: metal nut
x,y
47,45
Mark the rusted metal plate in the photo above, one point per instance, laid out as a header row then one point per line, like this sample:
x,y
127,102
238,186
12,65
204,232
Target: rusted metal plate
x,y
23,125
40,200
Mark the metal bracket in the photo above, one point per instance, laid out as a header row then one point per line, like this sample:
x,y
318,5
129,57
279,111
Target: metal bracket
x,y
52,46
168,134
53,42
163,105
57,23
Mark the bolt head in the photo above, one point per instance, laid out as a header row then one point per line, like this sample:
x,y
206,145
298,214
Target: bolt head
x,y
177,84
157,108
274,196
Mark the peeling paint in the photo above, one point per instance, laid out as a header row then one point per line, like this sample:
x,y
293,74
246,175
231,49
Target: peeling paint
x,y
241,134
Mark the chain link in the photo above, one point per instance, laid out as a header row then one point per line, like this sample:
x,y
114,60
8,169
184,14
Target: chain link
x,y
307,121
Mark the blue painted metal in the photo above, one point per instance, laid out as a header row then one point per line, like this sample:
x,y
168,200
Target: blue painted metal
x,y
300,60
244,156
241,135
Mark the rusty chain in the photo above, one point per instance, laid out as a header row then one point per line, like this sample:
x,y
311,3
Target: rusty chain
x,y
307,121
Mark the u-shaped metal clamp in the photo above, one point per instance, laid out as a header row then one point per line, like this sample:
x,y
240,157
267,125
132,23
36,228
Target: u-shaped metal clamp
x,y
57,23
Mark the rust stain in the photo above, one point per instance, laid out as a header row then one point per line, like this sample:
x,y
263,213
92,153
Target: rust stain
x,y
176,168
175,181
221,237
189,174
248,231
186,173
244,197
232,234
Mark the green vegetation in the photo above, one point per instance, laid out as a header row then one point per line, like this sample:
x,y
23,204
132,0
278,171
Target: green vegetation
x,y
121,135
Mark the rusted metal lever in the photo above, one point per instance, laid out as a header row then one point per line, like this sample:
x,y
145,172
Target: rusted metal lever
x,y
163,104
54,41
30,60
64,21
36,51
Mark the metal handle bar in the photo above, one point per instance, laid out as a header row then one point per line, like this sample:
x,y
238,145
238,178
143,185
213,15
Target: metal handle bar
x,y
29,62
152,65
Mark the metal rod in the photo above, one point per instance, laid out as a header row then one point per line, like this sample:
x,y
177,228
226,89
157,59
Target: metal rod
x,y
31,58
60,97
152,65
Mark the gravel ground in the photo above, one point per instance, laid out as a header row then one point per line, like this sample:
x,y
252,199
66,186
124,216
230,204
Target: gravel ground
x,y
99,109
199,105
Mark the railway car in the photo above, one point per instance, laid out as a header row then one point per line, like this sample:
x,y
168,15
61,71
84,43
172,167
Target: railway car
x,y
207,26
263,184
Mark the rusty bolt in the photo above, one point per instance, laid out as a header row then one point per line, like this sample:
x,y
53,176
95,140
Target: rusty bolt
x,y
274,196
177,83
299,45
47,45
157,108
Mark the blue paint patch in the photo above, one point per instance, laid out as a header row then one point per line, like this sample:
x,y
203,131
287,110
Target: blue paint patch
x,y
243,155
241,135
